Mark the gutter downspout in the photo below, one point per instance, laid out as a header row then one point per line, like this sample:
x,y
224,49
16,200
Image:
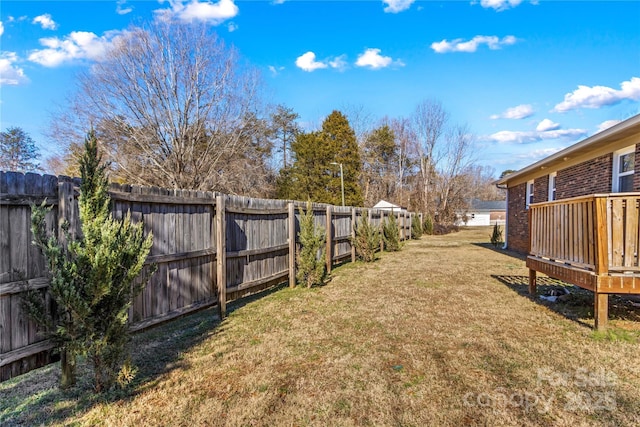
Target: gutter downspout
x,y
506,220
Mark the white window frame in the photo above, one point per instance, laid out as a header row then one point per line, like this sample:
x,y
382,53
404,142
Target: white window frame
x,y
552,188
615,182
529,194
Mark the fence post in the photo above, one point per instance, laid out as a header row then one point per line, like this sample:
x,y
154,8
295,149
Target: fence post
x,y
66,212
410,225
221,255
329,239
292,245
353,234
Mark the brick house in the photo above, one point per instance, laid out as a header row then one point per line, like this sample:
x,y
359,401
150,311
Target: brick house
x,y
601,164
576,214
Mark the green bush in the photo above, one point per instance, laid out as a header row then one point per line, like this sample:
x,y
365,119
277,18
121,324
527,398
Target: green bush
x,y
496,236
311,256
427,225
391,234
366,240
94,279
416,227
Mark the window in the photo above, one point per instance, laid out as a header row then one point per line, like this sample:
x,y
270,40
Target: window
x,y
623,168
552,186
529,195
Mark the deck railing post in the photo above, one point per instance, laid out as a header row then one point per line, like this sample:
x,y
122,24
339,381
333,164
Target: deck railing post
x,y
601,310
602,238
601,300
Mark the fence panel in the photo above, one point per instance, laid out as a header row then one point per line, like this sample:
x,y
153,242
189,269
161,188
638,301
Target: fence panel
x,y
258,237
21,263
257,254
183,251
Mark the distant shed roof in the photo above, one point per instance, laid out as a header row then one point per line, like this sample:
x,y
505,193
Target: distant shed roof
x,y
488,205
383,204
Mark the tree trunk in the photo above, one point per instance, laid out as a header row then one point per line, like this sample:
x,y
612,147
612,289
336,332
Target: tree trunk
x,y
68,368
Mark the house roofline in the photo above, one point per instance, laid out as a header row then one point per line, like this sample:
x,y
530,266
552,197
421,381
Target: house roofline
x,y
614,133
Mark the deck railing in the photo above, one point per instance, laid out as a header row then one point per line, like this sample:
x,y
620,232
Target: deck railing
x,y
599,233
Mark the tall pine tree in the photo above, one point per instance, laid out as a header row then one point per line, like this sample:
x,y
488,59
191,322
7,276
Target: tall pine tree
x,y
315,173
18,152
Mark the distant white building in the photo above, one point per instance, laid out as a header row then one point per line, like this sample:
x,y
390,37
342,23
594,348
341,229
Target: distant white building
x,y
388,206
483,212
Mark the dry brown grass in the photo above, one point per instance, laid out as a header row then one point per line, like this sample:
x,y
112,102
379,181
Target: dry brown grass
x,y
441,333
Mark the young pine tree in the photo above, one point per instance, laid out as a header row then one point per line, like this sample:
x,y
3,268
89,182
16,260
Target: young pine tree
x,y
310,260
366,240
496,236
94,277
427,226
391,234
416,227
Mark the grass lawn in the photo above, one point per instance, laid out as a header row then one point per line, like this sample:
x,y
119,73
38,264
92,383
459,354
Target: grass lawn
x,y
441,333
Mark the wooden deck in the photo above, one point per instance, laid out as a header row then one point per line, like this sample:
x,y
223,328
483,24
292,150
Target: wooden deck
x,y
589,241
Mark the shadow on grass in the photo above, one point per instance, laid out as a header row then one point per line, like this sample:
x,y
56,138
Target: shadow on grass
x,y
512,254
577,305
35,398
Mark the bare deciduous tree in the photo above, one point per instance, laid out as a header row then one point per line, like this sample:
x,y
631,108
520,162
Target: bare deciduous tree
x,y
453,183
429,121
171,104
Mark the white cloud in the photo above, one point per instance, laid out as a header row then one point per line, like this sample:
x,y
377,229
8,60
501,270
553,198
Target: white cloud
x,y
197,10
339,62
547,125
45,22
232,26
535,155
459,45
599,96
519,112
77,45
524,137
372,59
607,124
395,6
1,28
278,1
308,62
499,5
121,9
10,74
275,70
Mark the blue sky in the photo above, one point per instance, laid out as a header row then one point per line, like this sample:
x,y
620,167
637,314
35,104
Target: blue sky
x,y
528,78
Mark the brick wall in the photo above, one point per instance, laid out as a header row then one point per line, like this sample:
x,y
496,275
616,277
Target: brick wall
x,y
590,177
636,174
593,176
518,229
541,189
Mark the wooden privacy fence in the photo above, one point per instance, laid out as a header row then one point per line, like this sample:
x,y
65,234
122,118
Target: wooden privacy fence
x,y
209,249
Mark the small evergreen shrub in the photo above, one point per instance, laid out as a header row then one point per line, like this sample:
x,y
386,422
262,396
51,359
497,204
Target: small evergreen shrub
x,y
311,256
496,236
416,228
427,225
94,279
391,234
366,240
